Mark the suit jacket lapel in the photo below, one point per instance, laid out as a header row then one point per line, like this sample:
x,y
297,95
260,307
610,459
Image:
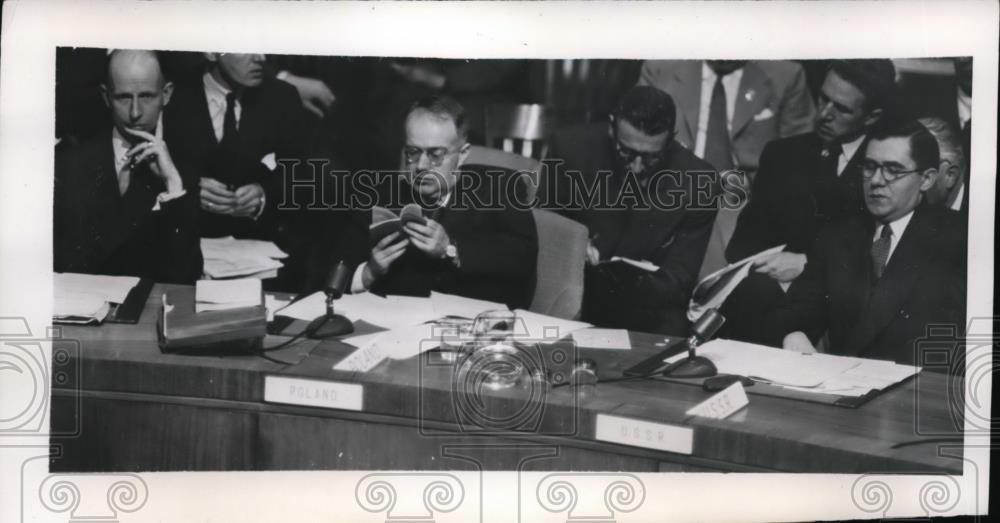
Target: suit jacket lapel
x,y
687,97
896,283
753,96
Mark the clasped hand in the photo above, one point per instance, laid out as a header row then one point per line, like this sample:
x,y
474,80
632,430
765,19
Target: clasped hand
x,y
154,151
217,198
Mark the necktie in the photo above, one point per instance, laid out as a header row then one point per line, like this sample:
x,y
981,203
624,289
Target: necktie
x,y
831,156
230,143
124,177
880,251
718,149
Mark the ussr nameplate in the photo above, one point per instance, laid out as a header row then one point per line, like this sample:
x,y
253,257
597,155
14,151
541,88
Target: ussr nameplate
x,y
637,433
313,393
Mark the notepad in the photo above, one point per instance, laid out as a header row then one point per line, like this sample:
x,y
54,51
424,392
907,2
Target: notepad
x,y
229,257
114,288
215,295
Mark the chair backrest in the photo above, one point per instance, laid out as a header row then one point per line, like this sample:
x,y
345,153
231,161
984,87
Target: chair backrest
x,y
517,128
528,167
562,249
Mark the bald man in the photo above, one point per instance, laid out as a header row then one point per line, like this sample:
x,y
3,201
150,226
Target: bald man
x,y
122,206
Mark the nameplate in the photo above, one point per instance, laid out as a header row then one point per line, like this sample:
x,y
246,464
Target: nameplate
x,y
313,393
636,433
723,404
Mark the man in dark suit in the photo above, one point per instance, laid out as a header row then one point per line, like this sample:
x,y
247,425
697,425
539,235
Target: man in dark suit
x,y
473,244
646,207
804,182
236,126
728,110
122,207
878,281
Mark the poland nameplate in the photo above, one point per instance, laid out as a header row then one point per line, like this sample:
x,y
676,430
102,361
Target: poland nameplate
x,y
313,393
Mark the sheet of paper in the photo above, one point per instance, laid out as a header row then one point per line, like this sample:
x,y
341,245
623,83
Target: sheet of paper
x,y
641,264
239,266
611,339
539,326
80,307
363,359
230,247
114,288
777,366
451,305
240,292
713,290
397,312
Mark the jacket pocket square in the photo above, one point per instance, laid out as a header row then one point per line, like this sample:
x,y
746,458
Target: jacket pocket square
x,y
763,115
269,162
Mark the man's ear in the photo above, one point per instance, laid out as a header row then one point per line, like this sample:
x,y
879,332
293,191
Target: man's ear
x,y
105,95
950,172
168,91
463,153
927,178
873,117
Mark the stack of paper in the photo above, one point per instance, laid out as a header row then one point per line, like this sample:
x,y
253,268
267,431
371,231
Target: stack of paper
x,y
87,298
217,295
228,257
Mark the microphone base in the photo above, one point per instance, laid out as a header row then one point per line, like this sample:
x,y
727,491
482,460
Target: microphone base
x,y
329,326
696,367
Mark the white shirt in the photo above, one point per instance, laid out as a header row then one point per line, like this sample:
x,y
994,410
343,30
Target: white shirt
x,y
898,228
731,85
957,204
215,93
964,107
847,151
120,146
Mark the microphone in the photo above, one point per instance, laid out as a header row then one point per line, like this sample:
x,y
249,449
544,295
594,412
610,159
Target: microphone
x,y
695,366
332,324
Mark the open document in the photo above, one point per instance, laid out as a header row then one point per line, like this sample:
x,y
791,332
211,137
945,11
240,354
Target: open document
x,y
87,298
712,291
806,372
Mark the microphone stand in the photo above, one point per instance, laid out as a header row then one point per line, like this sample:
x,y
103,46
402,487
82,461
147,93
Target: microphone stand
x,y
332,324
695,366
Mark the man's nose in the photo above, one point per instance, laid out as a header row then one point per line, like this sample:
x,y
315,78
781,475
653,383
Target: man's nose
x,y
135,110
637,166
424,162
824,111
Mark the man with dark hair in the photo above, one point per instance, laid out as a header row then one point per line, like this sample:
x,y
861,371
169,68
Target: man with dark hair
x,y
643,197
876,281
804,182
235,125
474,243
122,206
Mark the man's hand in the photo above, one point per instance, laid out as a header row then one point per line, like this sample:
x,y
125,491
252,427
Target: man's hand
x,y
216,197
249,200
154,150
316,96
798,342
593,255
383,254
431,239
783,266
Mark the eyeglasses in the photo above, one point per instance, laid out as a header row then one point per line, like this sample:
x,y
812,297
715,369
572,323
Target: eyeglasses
x,y
435,155
629,155
890,173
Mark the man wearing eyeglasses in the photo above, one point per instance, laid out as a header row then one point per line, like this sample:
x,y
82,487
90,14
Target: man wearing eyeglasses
x,y
473,242
877,281
804,182
637,191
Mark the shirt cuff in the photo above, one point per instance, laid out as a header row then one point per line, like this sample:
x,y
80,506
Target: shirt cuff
x,y
358,282
282,75
165,197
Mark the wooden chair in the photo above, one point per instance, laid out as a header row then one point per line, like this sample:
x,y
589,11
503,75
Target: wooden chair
x,y
517,128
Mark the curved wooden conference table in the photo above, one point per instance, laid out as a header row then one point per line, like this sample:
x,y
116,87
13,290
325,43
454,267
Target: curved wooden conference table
x,y
133,408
